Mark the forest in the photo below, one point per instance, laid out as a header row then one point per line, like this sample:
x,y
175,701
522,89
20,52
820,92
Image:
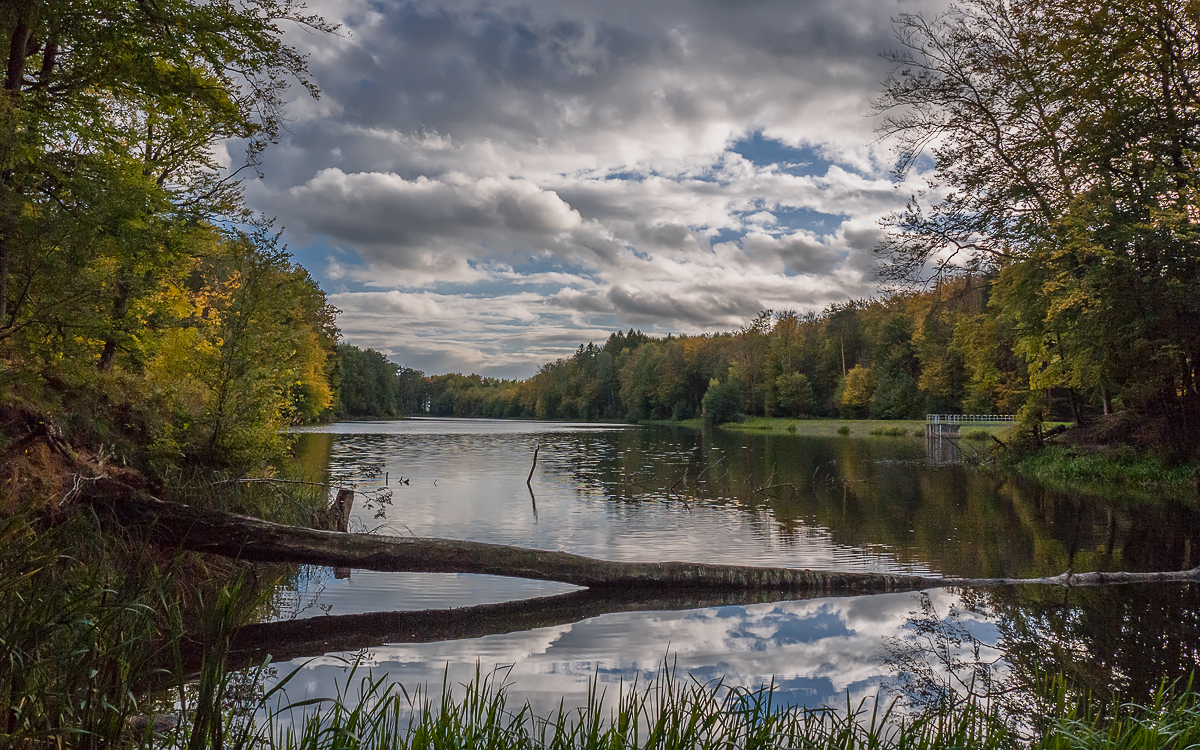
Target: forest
x,y
158,342
896,358
151,315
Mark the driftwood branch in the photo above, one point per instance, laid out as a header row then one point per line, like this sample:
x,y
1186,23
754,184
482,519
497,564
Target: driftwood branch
x,y
245,538
533,468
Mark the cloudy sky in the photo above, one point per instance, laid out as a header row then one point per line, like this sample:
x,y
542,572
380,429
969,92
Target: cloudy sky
x,y
483,186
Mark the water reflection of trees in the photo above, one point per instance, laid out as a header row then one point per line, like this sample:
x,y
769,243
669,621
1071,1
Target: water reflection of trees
x,y
872,494
880,493
1096,645
1125,639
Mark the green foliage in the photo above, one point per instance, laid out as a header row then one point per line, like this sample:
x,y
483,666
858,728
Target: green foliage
x,y
794,394
722,402
96,624
1063,135
857,391
896,396
51,606
126,289
1102,473
669,712
370,386
913,353
888,431
249,355
843,430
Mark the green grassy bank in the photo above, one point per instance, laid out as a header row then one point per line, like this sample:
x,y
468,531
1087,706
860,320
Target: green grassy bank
x,y
1121,471
825,427
97,623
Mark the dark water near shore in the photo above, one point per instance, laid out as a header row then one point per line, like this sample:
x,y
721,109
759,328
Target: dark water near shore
x,y
875,504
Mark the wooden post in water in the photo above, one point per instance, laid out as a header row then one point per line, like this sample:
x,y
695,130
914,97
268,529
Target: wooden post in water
x,y
341,507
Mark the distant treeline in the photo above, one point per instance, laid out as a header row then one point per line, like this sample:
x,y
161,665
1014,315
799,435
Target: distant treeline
x,y
367,385
894,358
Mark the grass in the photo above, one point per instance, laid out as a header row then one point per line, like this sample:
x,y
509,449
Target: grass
x,y
789,426
1108,471
93,624
676,713
888,431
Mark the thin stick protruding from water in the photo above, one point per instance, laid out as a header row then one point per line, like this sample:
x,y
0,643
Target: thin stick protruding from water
x,y
536,448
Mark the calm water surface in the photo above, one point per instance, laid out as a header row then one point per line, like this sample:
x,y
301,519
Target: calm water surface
x,y
846,504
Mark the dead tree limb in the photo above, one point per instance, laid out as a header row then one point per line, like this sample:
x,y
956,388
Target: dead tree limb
x,y
246,538
533,468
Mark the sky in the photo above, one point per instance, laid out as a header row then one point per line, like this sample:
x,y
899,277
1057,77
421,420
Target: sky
x,y
484,186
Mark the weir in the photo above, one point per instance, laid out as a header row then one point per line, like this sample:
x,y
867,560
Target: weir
x,y
943,430
950,425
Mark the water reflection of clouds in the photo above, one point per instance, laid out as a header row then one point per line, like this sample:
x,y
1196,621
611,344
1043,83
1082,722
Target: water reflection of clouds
x,y
468,481
817,652
362,591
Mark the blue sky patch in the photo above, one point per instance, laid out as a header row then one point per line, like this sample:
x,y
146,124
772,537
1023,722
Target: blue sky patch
x,y
766,152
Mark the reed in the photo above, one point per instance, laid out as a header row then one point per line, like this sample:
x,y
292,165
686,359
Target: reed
x,y
669,712
94,625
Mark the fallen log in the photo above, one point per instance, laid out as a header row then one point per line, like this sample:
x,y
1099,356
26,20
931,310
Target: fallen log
x,y
246,538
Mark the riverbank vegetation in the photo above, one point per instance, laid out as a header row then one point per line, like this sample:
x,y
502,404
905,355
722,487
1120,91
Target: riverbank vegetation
x,y
154,332
671,713
1120,471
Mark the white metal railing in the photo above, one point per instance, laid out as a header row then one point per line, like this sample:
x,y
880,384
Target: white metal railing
x,y
969,419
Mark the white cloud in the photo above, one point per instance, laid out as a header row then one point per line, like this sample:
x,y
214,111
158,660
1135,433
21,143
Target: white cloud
x,y
573,164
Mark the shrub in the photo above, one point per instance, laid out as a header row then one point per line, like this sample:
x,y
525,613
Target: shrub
x,y
722,402
794,394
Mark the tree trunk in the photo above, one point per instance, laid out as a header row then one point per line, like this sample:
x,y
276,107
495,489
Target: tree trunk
x,y
245,538
14,75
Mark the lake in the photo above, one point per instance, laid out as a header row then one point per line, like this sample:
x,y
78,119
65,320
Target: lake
x,y
832,503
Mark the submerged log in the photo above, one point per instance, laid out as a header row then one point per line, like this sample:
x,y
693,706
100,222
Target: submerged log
x,y
246,538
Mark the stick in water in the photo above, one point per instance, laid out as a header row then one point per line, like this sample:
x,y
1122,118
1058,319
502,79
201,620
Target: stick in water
x,y
536,448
